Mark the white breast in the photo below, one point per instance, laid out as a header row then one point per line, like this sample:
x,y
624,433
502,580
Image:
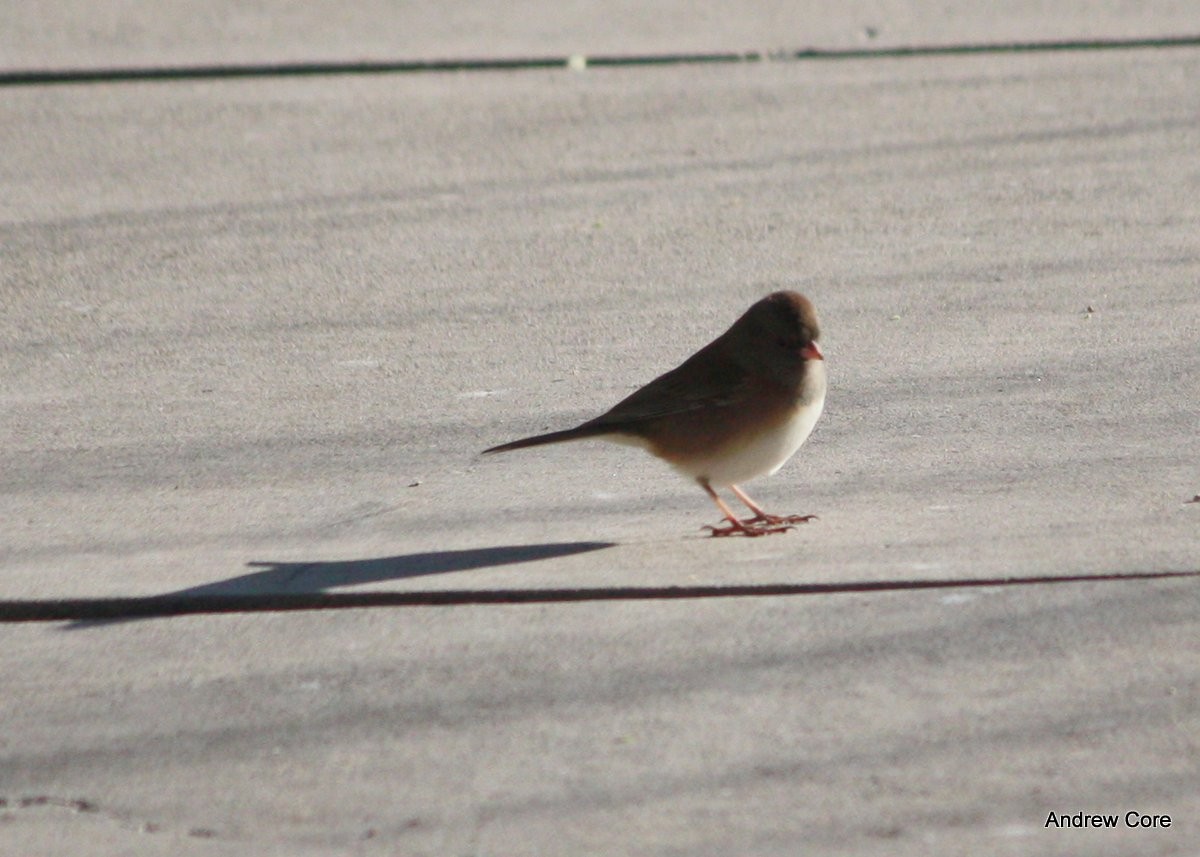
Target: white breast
x,y
769,451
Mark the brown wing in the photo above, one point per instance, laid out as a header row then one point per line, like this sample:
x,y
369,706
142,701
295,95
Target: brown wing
x,y
705,379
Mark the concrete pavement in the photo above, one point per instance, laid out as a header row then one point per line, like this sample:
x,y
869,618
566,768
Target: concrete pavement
x,y
255,332
72,34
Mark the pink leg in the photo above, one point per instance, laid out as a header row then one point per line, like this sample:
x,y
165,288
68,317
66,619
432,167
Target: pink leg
x,y
761,517
753,527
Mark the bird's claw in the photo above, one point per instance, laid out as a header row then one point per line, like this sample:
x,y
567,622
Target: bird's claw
x,y
780,519
759,525
747,528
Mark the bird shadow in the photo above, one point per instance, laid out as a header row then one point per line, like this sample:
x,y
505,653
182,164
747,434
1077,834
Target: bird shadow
x,y
283,579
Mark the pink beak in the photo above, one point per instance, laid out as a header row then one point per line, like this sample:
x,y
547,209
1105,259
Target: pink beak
x,y
811,352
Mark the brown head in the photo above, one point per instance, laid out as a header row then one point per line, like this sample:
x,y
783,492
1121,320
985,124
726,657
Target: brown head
x,y
778,336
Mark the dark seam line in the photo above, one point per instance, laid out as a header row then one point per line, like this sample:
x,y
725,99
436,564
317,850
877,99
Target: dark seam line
x,y
163,606
297,69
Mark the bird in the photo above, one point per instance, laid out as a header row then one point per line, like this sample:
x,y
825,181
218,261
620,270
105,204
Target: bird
x,y
737,409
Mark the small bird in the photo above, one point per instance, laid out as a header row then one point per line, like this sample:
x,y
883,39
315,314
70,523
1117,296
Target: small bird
x,y
736,409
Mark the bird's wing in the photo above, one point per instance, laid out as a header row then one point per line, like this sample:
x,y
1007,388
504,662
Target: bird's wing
x,y
703,380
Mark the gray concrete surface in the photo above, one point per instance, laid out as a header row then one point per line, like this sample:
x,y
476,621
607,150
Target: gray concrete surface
x,y
255,332
75,34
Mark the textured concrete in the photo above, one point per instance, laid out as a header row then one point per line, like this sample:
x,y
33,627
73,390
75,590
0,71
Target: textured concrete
x,y
77,34
253,334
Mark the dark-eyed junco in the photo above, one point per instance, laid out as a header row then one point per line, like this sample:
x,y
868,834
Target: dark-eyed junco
x,y
736,409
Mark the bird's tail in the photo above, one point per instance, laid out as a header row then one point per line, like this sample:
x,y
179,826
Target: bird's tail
x,y
578,433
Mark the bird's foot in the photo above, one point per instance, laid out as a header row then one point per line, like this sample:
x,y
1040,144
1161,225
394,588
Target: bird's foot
x,y
775,520
760,525
749,528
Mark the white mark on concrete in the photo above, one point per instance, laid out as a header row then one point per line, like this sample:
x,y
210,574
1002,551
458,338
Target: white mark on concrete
x,y
958,598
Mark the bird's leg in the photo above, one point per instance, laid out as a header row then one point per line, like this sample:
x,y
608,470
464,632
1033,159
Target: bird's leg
x,y
749,527
761,517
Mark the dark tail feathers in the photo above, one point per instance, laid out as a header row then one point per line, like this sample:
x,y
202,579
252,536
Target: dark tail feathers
x,y
577,433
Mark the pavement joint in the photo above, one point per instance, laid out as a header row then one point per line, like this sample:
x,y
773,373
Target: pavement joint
x,y
573,62
91,612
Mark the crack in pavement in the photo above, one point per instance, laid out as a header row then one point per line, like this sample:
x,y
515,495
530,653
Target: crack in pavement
x,y
575,62
80,806
161,606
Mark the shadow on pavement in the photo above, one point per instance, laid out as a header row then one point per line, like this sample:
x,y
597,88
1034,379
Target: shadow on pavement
x,y
299,586
270,588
